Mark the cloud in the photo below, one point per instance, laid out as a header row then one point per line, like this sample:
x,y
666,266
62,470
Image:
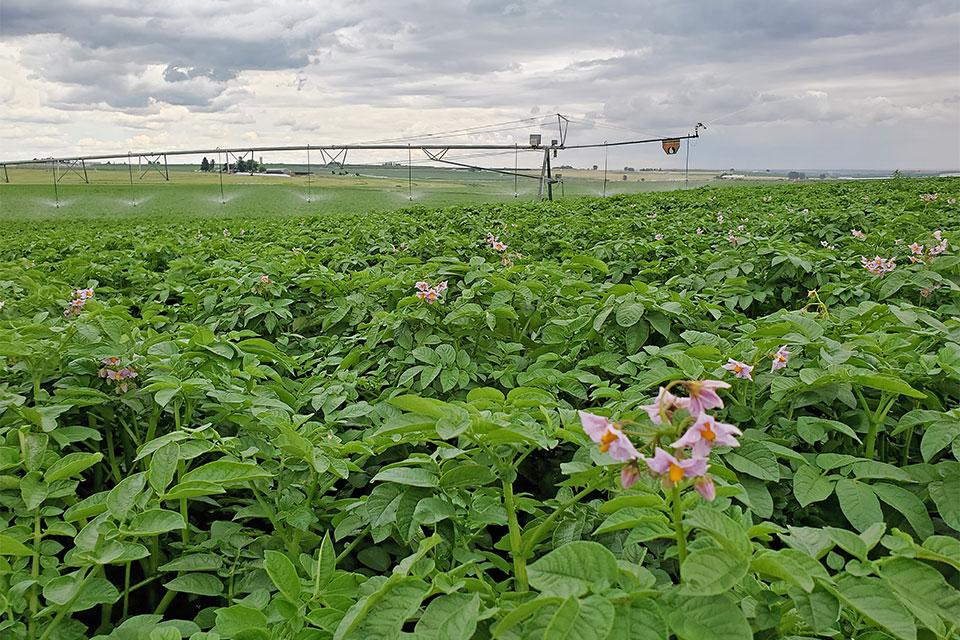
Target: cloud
x,y
370,68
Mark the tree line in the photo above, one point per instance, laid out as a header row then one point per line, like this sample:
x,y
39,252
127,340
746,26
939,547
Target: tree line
x,y
240,166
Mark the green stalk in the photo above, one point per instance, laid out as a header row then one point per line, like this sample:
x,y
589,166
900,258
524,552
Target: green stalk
x,y
906,447
183,501
35,574
65,608
516,542
678,524
544,526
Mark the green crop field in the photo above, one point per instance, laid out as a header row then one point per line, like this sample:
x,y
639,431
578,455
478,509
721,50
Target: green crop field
x,y
713,414
31,195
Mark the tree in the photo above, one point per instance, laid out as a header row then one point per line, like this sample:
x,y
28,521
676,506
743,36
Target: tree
x,y
205,165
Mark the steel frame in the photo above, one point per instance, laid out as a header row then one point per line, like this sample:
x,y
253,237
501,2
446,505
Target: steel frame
x,y
337,155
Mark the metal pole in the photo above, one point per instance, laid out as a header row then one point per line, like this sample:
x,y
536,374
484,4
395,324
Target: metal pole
x,y
409,172
516,168
133,195
83,165
56,190
686,169
604,168
309,193
549,179
166,171
222,201
6,176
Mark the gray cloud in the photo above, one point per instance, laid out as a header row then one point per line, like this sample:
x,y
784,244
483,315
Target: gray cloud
x,y
642,65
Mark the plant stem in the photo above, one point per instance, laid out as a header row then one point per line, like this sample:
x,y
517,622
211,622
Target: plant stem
x,y
65,608
516,542
678,524
541,529
35,573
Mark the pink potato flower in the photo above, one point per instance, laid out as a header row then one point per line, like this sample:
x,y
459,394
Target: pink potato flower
x,y
422,286
780,358
702,395
609,436
739,369
859,235
707,432
673,470
665,404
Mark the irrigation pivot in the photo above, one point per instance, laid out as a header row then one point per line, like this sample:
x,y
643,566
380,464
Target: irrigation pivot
x,y
337,154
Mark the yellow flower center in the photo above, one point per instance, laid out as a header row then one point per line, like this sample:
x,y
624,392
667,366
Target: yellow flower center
x,y
675,473
707,432
609,437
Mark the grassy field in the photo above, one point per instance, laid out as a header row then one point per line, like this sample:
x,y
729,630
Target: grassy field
x,y
30,194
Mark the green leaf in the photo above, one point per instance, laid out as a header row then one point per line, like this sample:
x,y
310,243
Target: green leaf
x,y
587,619
909,505
574,569
450,617
232,621
790,565
819,609
155,522
411,476
326,562
380,615
873,599
708,618
889,384
283,574
944,494
201,584
10,547
163,466
467,475
814,429
809,486
226,472
729,533
711,571
71,465
754,459
859,503
33,490
937,437
639,619
431,510
629,314
123,496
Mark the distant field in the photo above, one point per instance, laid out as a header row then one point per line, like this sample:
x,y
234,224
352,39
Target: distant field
x,y
30,194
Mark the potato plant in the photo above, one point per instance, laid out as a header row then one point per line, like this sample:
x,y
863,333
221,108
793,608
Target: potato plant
x,y
721,413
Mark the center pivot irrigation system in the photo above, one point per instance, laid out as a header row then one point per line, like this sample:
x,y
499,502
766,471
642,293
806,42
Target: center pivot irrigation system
x,y
336,155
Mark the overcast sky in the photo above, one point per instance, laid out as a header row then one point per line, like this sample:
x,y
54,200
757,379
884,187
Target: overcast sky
x,y
779,83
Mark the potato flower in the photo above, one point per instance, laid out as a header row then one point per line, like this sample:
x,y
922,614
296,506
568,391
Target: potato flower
x,y
780,358
702,395
739,369
859,235
609,436
673,469
707,432
665,404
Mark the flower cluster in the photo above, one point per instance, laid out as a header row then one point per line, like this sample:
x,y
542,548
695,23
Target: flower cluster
x,y
114,373
495,243
79,298
507,258
859,235
879,266
658,237
260,286
929,197
428,293
691,451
